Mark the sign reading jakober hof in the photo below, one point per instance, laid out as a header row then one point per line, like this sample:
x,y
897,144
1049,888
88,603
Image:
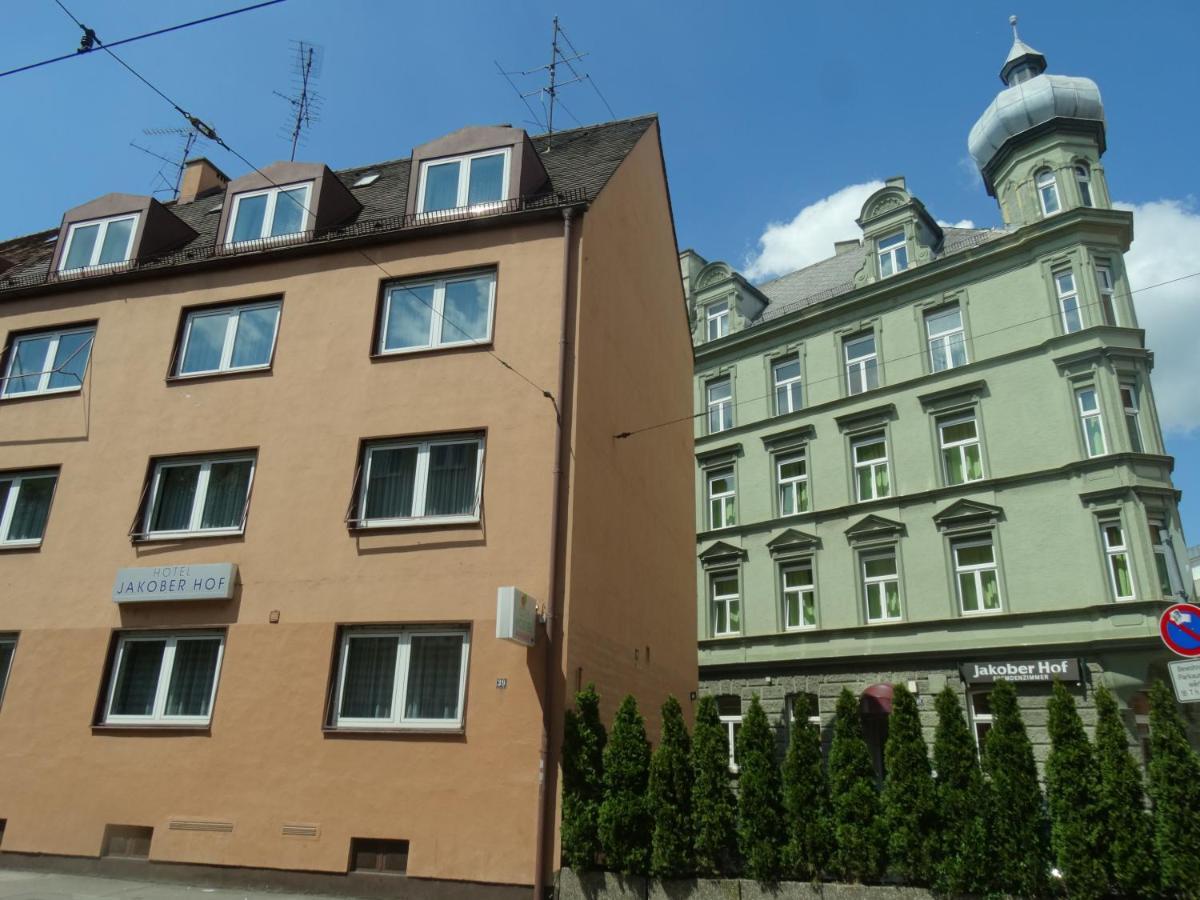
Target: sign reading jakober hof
x,y
1021,670
208,581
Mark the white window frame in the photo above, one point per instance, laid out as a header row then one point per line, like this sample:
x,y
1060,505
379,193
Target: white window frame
x,y
960,446
9,642
166,667
893,249
859,364
1083,179
730,602
437,319
876,437
464,179
1066,297
1114,551
47,369
795,486
880,581
94,260
717,319
225,364
978,718
1086,414
941,343
789,388
801,592
726,500
731,725
723,407
1164,553
1104,285
1131,406
420,482
272,195
975,573
206,463
790,709
1046,185
9,507
398,720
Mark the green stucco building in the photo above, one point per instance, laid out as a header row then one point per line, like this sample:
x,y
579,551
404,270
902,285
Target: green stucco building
x,y
934,457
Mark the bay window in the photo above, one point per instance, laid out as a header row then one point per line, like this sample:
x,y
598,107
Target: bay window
x,y
198,496
421,481
164,679
47,362
1068,301
438,312
1091,421
25,506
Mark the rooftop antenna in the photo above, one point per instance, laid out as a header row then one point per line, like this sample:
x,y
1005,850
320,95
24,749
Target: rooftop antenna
x,y
549,93
304,100
171,173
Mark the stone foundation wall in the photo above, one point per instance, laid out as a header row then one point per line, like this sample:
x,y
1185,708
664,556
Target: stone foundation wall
x,y
570,885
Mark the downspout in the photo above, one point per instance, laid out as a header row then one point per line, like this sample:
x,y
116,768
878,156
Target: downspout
x,y
548,762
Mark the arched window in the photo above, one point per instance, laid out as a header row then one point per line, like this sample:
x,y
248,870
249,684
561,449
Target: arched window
x,y
1047,189
1083,177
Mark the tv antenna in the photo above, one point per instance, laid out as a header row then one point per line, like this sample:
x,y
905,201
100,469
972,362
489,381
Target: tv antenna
x,y
171,172
549,93
304,101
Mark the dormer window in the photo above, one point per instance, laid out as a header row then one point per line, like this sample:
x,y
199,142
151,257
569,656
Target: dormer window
x,y
100,242
893,254
1083,178
718,320
464,180
274,212
1047,190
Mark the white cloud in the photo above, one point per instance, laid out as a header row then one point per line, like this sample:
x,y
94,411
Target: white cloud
x,y
1166,245
961,223
787,246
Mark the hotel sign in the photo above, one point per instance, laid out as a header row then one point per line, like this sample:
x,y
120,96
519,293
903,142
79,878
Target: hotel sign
x,y
1021,670
209,581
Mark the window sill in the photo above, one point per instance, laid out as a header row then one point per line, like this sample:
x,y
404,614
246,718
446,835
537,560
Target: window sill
x,y
225,373
41,395
419,352
16,546
115,728
455,733
170,536
360,528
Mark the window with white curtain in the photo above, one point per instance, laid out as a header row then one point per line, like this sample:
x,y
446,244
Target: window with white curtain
x,y
726,603
799,595
270,213
401,677
164,678
1116,551
881,585
228,339
450,311
198,496
871,474
416,481
722,499
47,362
791,477
101,242
25,506
470,180
1091,421
962,458
975,571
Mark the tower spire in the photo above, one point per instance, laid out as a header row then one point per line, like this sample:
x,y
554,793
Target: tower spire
x,y
1023,61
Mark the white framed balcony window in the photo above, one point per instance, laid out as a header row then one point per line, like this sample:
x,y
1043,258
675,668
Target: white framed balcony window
x,y
726,603
1116,553
401,677
722,499
976,575
471,180
198,496
439,312
1068,301
799,596
716,317
893,254
862,363
1091,421
962,455
25,506
273,212
1047,191
786,375
228,339
1104,285
881,585
791,478
947,339
100,242
1083,178
431,481
164,679
1133,416
719,393
48,362
871,476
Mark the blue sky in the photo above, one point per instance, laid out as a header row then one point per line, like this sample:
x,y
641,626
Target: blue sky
x,y
767,109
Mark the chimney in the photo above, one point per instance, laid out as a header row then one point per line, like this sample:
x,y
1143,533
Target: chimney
x,y
840,247
200,177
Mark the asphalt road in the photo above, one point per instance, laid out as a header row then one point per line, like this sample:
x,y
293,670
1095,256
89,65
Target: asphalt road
x,y
18,885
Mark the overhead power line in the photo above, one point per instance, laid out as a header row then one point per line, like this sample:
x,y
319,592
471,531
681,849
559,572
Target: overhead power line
x,y
87,45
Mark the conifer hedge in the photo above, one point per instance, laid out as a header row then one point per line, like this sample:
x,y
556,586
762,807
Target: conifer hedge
x,y
807,828
670,796
714,808
760,819
1175,790
909,802
857,833
963,858
583,782
624,813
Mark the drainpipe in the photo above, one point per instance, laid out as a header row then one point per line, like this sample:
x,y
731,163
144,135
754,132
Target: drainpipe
x,y
548,762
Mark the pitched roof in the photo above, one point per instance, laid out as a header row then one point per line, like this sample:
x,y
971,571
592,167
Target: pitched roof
x,y
835,276
579,163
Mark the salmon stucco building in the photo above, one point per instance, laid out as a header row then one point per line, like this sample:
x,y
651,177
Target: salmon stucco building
x,y
284,462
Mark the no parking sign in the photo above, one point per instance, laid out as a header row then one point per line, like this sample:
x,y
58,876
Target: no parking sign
x,y
1180,629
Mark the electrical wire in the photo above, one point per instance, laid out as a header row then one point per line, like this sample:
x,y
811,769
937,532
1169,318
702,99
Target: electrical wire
x,y
892,359
84,50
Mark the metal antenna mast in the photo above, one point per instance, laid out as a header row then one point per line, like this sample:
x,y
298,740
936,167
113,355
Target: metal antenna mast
x,y
306,103
190,137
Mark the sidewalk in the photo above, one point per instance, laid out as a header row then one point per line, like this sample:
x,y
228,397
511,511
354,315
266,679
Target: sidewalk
x,y
21,885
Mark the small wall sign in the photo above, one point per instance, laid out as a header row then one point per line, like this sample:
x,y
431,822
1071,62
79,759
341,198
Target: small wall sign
x,y
208,581
516,616
1185,676
1021,670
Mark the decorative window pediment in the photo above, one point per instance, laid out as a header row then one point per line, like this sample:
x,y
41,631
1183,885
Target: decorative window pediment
x,y
874,528
791,541
967,514
874,417
959,395
720,553
792,437
724,455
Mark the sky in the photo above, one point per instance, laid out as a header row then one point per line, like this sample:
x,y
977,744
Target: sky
x,y
777,118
